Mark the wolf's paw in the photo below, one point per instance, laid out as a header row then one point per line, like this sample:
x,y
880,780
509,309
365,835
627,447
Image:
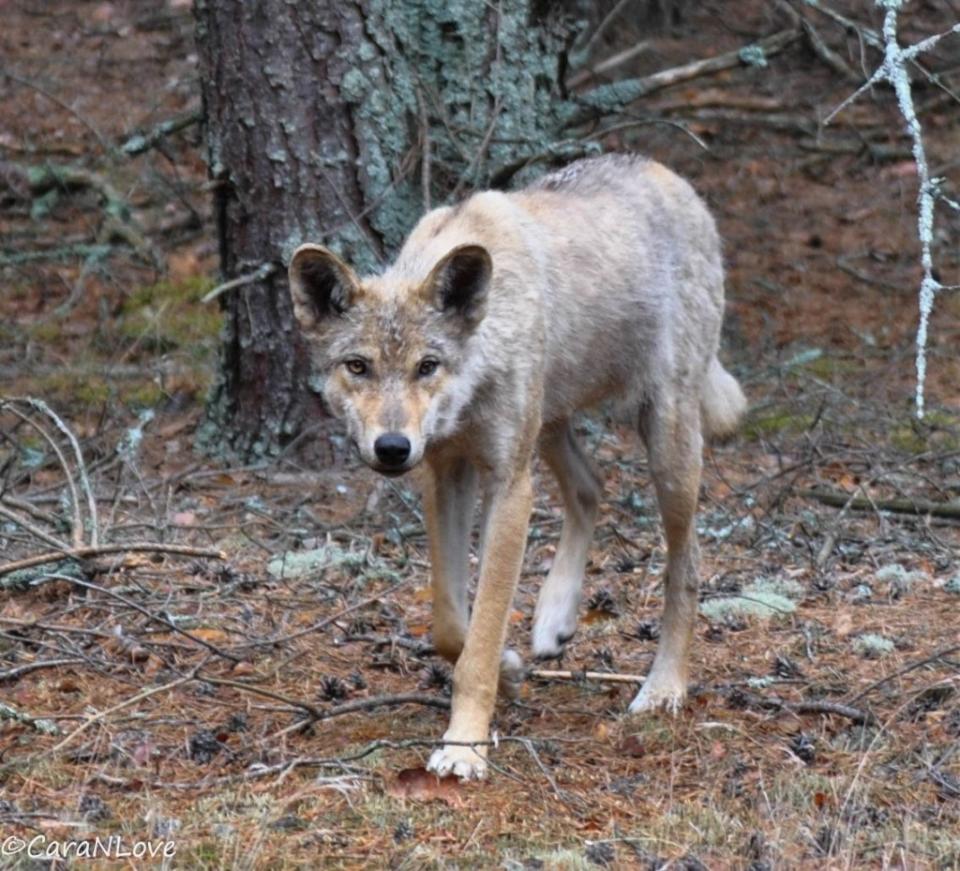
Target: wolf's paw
x,y
467,763
554,624
512,674
660,693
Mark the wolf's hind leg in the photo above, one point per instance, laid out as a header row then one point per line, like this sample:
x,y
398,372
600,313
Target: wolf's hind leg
x,y
675,448
555,619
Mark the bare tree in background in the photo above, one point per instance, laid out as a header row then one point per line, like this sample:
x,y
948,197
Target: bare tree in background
x,y
341,122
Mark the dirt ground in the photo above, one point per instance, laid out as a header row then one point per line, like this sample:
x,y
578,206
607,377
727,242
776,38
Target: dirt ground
x,y
273,708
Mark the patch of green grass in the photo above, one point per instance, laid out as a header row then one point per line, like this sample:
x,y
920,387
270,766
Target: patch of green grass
x,y
147,394
70,387
939,430
46,331
80,390
767,422
831,369
169,315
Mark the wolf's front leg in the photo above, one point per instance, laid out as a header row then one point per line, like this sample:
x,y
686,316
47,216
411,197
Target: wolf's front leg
x,y
476,674
449,495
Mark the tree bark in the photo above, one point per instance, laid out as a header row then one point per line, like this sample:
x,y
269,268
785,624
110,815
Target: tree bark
x,y
340,121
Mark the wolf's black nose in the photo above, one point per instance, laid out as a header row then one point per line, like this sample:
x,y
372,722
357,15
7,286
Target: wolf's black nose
x,y
392,449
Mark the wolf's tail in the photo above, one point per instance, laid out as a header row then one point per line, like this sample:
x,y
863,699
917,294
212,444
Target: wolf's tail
x,y
722,403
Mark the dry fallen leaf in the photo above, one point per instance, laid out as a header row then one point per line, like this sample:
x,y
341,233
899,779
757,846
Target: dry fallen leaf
x,y
843,624
632,746
419,784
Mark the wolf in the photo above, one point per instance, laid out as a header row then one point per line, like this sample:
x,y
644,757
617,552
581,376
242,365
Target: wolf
x,y
500,319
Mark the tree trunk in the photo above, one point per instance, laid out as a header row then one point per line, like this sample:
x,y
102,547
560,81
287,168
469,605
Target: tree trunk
x,y
340,121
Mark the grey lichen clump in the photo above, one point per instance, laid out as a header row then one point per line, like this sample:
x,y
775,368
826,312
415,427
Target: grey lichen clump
x,y
764,598
873,646
474,86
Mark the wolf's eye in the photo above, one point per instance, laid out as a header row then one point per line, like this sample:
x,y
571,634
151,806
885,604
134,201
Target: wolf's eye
x,y
356,366
427,367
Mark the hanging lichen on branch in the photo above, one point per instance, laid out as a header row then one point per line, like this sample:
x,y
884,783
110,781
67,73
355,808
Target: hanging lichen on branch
x,y
894,71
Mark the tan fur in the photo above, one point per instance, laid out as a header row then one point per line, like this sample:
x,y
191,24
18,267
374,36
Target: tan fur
x,y
601,281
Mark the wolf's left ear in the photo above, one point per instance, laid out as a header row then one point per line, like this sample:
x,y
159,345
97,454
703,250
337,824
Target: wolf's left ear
x,y
321,285
458,284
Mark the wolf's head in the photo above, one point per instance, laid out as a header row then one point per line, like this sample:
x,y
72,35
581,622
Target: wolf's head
x,y
393,352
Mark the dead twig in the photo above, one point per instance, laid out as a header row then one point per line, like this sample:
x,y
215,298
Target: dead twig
x,y
898,506
386,701
817,44
8,712
322,624
139,697
35,531
20,670
139,143
812,706
608,64
603,99
825,707
157,618
913,666
606,677
264,271
314,712
77,524
34,86
828,55
102,550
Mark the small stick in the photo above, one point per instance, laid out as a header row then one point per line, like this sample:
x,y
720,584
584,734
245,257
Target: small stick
x,y
606,677
77,531
813,706
103,549
8,712
139,697
165,621
265,270
385,701
138,143
825,707
898,506
19,671
608,64
29,527
939,654
602,98
313,711
42,407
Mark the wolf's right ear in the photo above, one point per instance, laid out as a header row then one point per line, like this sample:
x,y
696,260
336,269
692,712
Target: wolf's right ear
x,y
321,285
458,284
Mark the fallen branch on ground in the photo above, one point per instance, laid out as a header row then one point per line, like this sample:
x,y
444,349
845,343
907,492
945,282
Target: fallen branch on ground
x,y
898,506
104,549
20,670
316,713
812,706
8,712
938,654
139,697
603,676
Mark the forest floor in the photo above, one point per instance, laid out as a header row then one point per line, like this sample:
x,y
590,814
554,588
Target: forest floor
x,y
246,708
